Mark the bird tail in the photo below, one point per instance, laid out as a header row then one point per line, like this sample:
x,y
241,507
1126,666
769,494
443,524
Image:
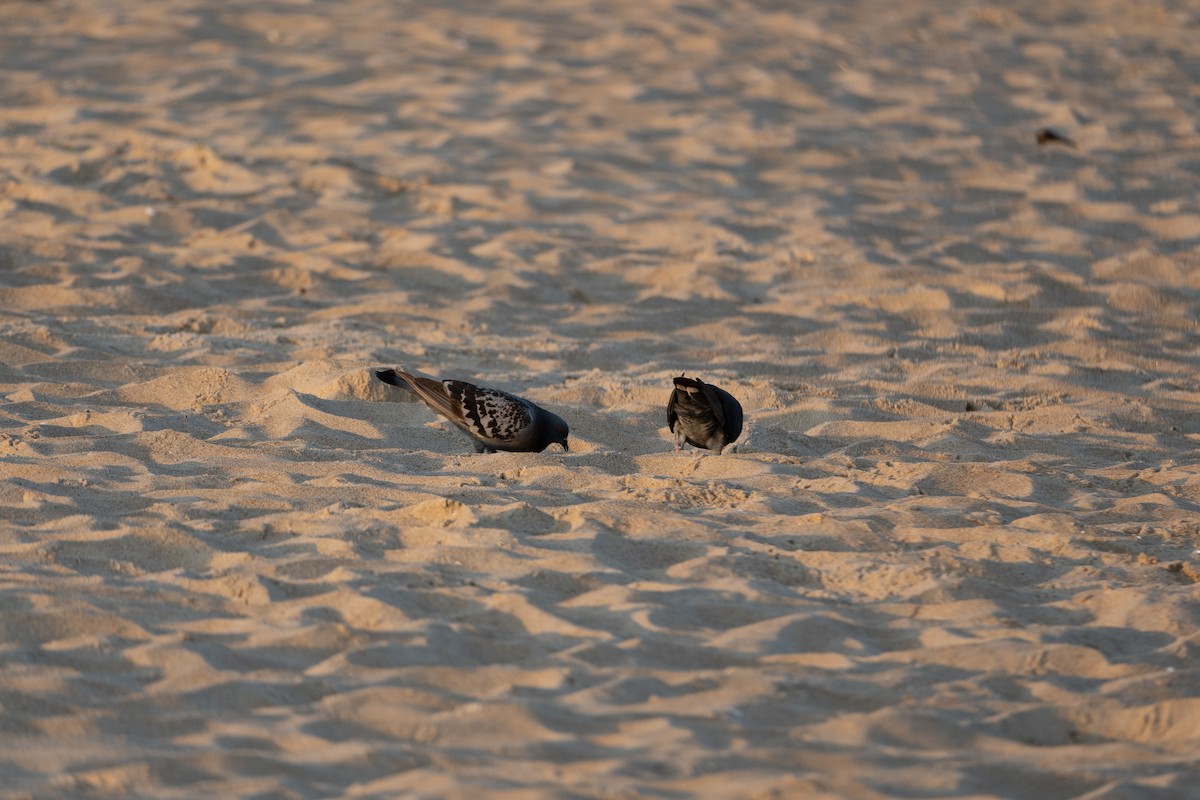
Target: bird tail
x,y
431,391
394,377
689,384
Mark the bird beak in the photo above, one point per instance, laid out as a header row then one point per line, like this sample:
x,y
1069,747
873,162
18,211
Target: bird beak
x,y
566,448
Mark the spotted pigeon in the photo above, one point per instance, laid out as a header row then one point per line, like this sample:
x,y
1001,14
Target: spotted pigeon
x,y
495,420
703,415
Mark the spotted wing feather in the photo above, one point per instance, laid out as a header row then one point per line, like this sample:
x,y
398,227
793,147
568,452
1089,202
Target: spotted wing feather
x,y
488,414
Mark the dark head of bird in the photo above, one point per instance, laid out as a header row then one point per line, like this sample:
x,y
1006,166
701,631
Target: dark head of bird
x,y
555,431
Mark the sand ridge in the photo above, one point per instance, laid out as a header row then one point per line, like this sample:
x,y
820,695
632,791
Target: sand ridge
x,y
953,553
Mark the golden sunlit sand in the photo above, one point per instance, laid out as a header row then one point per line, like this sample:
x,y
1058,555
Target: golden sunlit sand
x,y
953,553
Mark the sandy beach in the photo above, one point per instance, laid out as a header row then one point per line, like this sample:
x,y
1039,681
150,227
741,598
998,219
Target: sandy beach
x,y
954,553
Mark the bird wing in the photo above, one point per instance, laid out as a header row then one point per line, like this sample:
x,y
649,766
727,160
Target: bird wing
x,y
733,416
487,413
715,403
672,412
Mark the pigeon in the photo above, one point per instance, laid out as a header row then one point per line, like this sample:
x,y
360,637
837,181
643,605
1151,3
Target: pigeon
x,y
703,415
495,420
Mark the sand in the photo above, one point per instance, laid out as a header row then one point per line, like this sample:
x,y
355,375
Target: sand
x,y
953,555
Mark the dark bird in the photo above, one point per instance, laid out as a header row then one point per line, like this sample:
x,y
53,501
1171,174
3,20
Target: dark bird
x,y
703,415
1051,136
495,420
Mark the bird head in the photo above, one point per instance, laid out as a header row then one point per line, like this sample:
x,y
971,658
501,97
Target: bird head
x,y
560,436
556,432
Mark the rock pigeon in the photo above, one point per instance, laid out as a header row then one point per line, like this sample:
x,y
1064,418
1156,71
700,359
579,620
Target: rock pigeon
x,y
495,420
703,415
